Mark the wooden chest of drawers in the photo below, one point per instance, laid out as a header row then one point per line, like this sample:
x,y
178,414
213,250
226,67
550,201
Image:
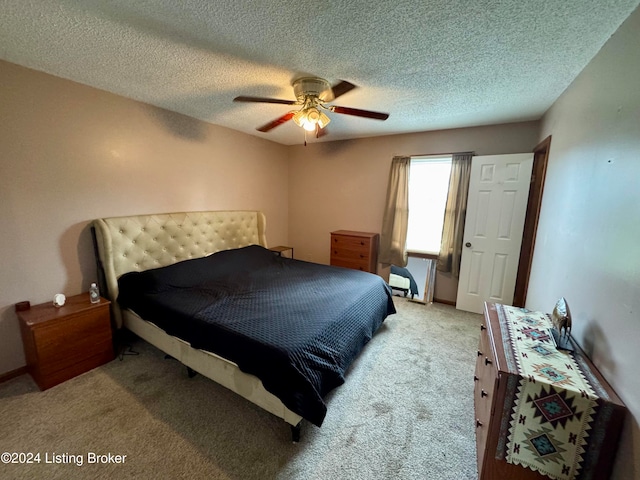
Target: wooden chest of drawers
x,y
492,400
357,250
63,342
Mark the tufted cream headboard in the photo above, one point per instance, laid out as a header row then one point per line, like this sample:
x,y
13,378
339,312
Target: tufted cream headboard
x,y
141,242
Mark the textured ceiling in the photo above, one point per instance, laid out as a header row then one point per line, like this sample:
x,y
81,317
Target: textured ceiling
x,y
430,64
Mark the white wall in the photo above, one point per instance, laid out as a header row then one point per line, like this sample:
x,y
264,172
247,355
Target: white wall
x,y
588,242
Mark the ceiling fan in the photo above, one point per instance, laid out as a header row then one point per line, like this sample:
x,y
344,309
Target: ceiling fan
x,y
312,95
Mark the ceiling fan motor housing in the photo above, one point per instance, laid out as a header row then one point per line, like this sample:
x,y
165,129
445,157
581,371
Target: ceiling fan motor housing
x,y
312,86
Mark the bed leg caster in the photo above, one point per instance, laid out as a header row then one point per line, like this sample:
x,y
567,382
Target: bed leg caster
x,y
295,432
191,372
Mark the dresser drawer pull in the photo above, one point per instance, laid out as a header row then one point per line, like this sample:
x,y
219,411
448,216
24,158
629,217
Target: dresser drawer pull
x,y
487,361
475,378
480,353
482,327
361,243
478,423
483,393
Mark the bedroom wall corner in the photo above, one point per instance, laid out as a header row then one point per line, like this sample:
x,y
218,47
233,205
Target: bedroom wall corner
x,y
71,153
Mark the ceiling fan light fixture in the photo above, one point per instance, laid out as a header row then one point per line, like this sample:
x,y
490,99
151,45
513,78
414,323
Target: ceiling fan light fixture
x,y
300,117
308,118
324,120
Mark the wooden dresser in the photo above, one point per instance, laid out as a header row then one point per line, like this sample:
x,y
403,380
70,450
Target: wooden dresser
x,y
498,382
63,342
357,250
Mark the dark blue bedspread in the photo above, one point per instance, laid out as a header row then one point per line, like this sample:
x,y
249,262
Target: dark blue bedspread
x,y
295,325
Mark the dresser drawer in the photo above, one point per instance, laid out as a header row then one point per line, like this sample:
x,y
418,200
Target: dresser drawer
x,y
486,384
362,256
349,243
353,263
339,252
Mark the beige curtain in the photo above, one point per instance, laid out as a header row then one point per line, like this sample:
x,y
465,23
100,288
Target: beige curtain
x,y
454,216
393,239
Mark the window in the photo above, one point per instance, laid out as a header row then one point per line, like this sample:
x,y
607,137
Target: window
x,y
428,188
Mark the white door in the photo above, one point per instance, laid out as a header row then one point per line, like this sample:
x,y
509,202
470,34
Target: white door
x,y
496,209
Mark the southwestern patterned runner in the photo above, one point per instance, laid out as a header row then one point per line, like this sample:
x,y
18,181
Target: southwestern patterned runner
x,y
554,405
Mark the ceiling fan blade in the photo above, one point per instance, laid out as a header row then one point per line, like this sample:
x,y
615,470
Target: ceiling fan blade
x,y
278,121
264,100
341,88
360,113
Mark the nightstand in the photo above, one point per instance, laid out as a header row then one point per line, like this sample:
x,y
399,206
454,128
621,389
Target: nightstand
x,y
281,248
63,342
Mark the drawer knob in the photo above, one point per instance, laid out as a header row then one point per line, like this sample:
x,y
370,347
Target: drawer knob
x,y
487,361
480,353
475,378
482,327
483,393
478,423
361,243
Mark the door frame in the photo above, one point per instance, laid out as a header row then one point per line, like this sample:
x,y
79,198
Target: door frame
x,y
534,203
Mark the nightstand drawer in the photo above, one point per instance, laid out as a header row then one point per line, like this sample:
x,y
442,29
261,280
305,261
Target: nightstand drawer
x,y
72,340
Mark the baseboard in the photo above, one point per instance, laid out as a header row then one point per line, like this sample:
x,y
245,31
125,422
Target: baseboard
x,y
13,374
446,302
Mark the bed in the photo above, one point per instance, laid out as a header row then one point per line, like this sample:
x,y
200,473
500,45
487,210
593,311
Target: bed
x,y
277,331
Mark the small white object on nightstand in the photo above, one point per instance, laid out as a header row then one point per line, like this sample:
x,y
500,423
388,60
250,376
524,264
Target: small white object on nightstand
x,y
59,299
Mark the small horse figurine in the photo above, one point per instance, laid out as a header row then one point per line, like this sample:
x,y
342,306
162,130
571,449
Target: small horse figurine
x,y
561,318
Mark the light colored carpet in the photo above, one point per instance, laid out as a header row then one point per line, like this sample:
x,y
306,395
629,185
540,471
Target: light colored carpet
x,y
405,412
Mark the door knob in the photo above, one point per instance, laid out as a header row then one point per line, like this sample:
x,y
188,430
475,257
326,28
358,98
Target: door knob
x,y
468,244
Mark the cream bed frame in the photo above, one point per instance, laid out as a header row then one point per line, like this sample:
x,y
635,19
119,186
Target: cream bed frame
x,y
141,242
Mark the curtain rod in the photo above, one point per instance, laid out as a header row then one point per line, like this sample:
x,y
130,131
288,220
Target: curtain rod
x,y
441,154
